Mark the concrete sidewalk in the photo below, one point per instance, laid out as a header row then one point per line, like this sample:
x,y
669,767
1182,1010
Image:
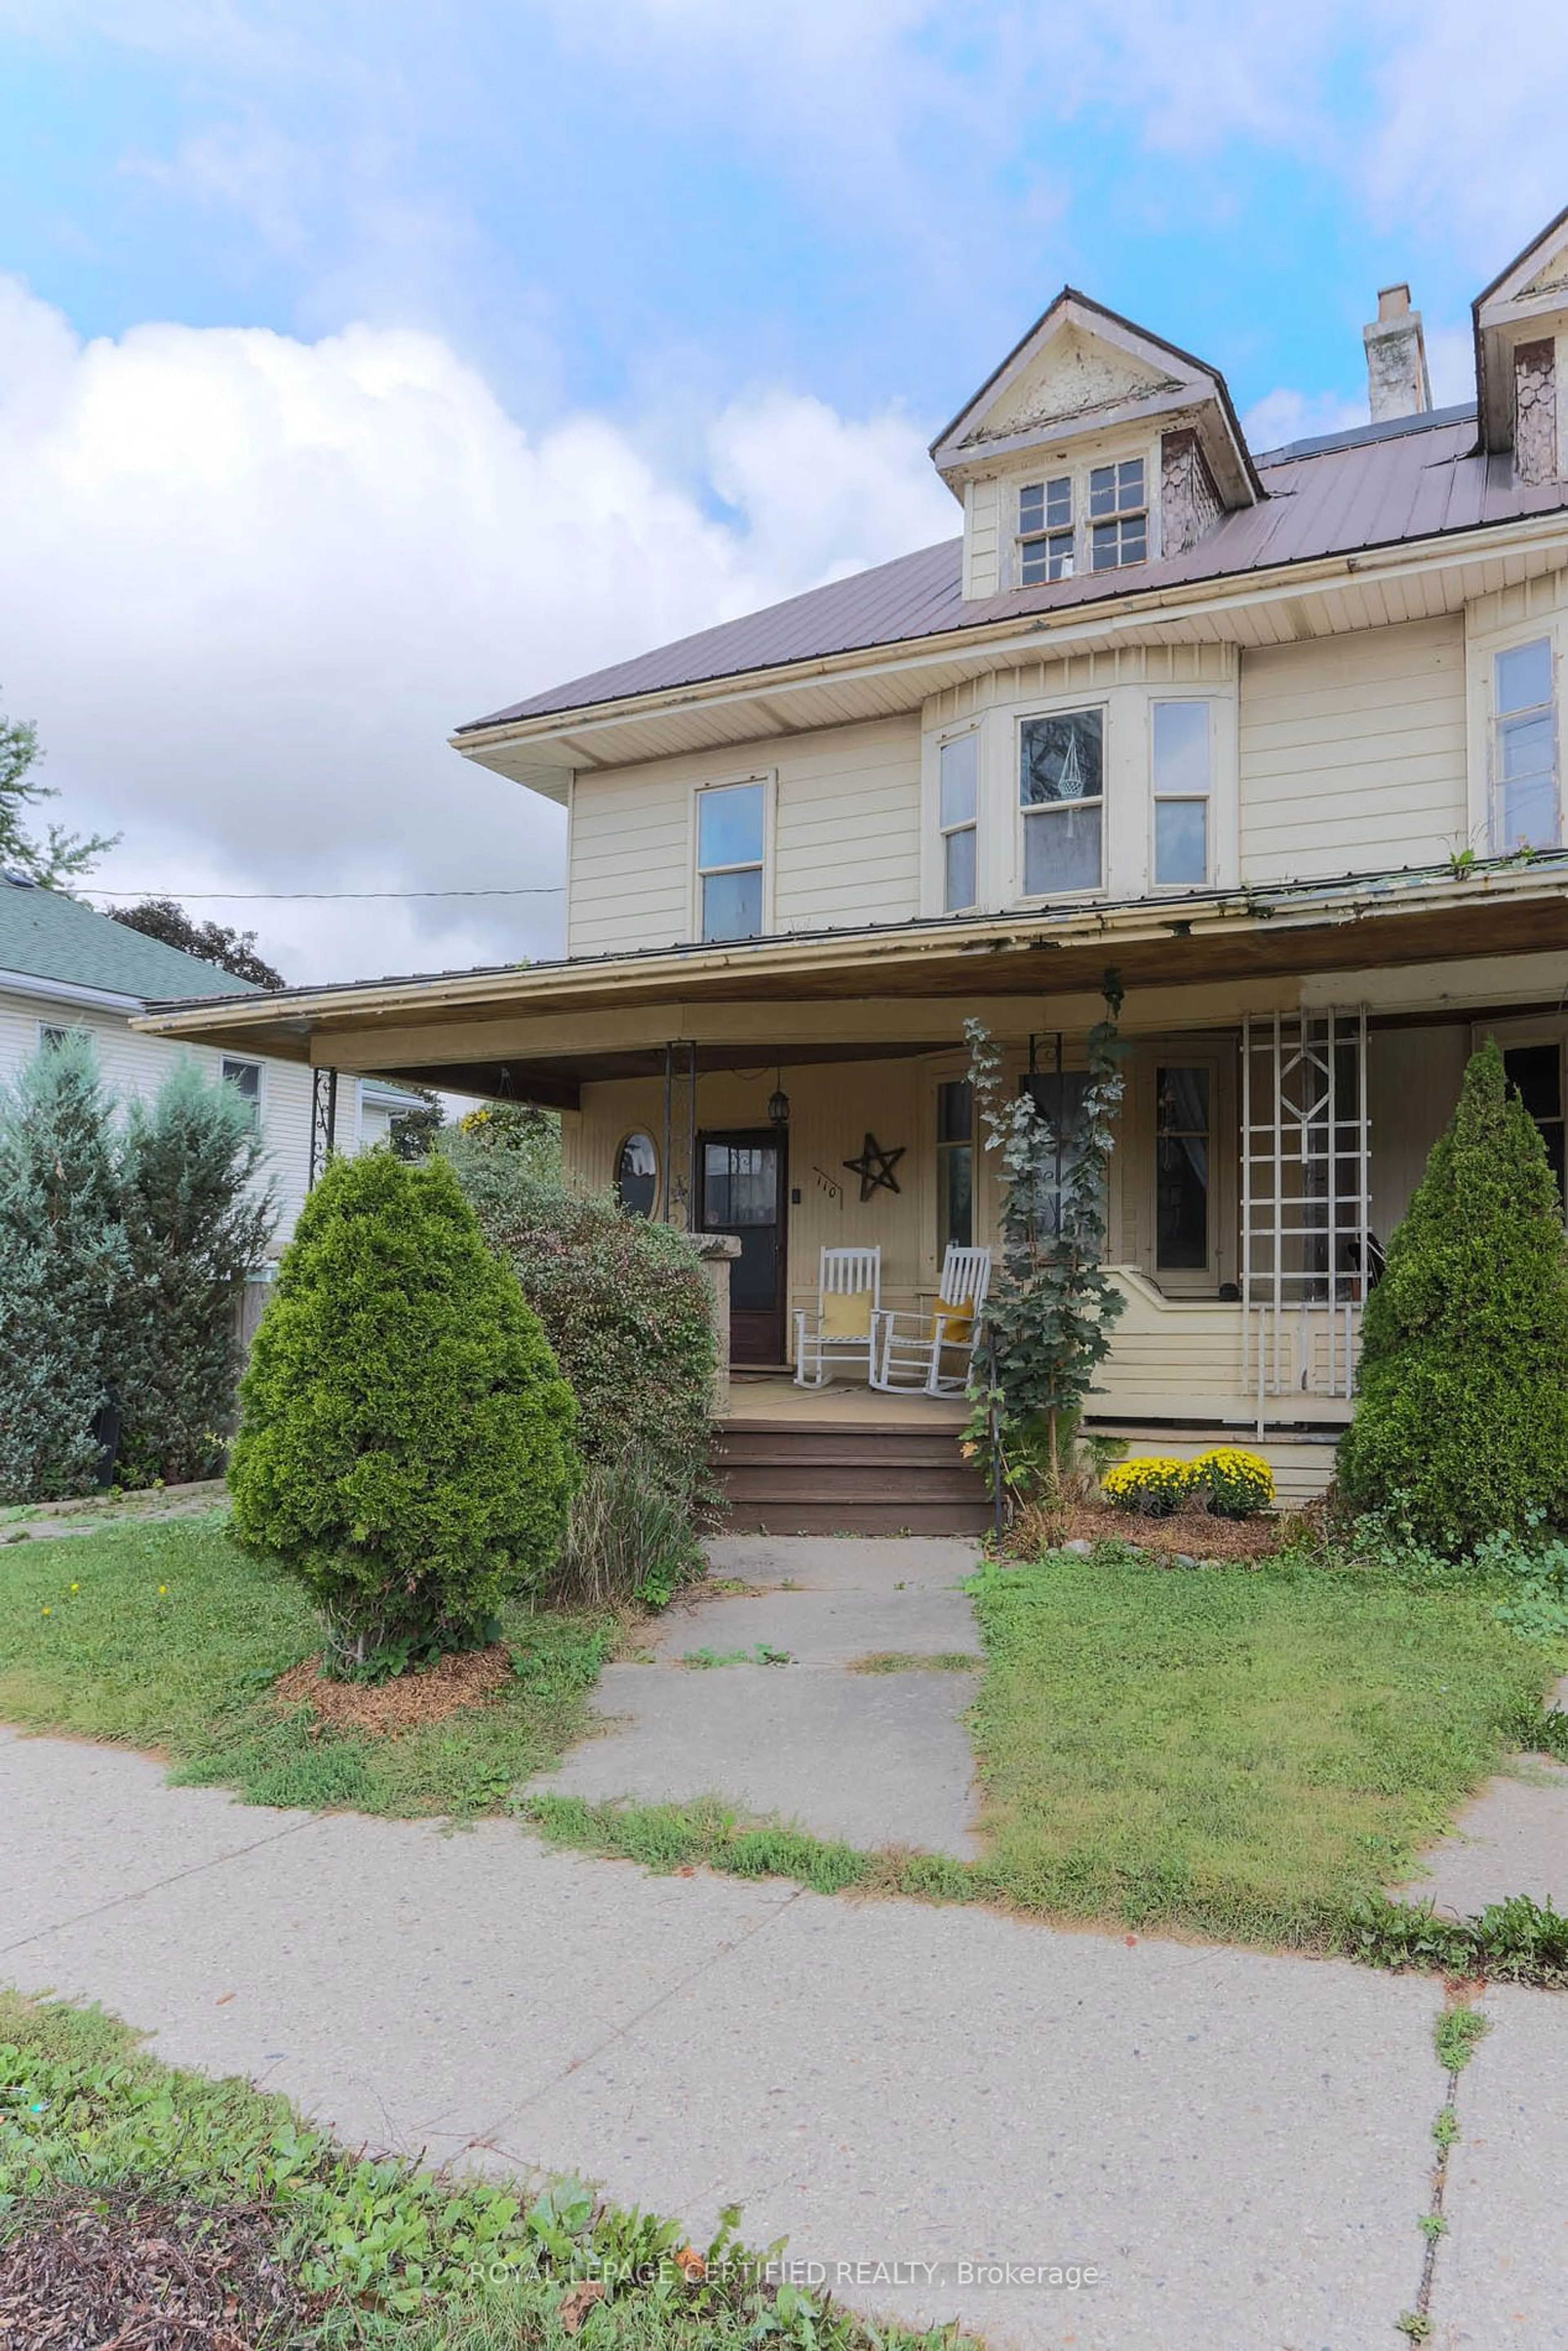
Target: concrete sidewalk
x,y
1240,2143
874,1758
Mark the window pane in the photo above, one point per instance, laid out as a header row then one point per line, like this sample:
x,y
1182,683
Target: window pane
x,y
732,905
1102,490
1045,559
52,1040
1130,484
729,826
1062,759
740,1184
954,1111
637,1174
954,1196
1058,499
1537,1072
1062,851
1526,747
1524,676
960,766
1530,814
1181,748
1181,842
1106,548
1031,507
1181,1170
1060,1102
958,870
245,1078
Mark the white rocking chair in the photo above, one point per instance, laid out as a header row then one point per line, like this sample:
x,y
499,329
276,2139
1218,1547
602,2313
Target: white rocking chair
x,y
844,1327
933,1352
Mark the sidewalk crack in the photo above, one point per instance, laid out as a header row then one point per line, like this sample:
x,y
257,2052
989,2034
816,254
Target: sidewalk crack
x,y
140,1893
489,2136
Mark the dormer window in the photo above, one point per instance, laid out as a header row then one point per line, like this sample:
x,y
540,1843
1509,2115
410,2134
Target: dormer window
x,y
1118,515
1045,531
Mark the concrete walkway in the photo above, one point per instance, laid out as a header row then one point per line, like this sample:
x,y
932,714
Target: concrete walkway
x,y
877,1759
1241,2144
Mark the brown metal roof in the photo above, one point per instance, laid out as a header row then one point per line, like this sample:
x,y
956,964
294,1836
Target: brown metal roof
x,y
1418,479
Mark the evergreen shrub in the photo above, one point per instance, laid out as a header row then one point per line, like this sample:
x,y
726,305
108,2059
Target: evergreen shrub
x,y
626,1307
406,1446
1460,1428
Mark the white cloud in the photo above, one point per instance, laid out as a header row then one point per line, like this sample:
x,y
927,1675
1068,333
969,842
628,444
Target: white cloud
x,y
1284,415
251,583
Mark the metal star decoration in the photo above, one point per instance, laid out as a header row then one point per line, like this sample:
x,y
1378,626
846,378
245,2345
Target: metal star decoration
x,y
874,1167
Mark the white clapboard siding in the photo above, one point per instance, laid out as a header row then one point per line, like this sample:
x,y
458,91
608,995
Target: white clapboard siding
x,y
845,836
1353,753
134,1064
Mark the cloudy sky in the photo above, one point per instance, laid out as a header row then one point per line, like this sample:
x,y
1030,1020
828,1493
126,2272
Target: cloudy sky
x,y
365,365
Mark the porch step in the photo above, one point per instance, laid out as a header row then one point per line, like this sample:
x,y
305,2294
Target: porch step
x,y
780,1477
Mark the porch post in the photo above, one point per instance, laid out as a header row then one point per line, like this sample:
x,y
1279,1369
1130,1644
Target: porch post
x,y
718,1252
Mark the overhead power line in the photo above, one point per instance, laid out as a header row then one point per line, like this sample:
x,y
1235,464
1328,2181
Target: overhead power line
x,y
274,897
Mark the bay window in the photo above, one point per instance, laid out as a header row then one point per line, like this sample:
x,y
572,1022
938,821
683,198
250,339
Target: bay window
x,y
957,811
1062,792
1180,740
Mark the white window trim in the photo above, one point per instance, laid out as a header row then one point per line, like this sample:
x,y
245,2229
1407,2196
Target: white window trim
x,y
1189,1282
769,779
1482,648
1077,468
1063,706
1210,699
1547,636
253,1061
939,831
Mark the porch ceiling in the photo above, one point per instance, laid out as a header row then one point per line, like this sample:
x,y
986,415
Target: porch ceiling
x,y
544,1030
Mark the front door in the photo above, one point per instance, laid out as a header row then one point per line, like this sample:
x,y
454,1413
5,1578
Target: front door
x,y
742,1180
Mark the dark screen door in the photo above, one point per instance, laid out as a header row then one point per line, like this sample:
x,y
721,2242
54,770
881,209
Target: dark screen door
x,y
743,1193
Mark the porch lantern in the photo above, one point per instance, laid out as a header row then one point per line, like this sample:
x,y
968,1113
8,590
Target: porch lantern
x,y
777,1103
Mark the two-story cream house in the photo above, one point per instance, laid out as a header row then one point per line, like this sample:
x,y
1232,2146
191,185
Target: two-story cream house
x,y
1273,735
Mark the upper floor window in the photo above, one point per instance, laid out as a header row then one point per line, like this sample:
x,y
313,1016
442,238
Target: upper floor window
x,y
1062,791
1525,748
1181,772
1118,515
52,1039
731,832
246,1079
959,787
1045,531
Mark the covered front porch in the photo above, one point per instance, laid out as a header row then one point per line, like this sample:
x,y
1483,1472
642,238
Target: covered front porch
x,y
1288,1068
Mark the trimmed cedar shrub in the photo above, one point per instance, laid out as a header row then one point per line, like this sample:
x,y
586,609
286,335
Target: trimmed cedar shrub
x,y
406,1448
198,1216
64,1268
625,1304
1461,1413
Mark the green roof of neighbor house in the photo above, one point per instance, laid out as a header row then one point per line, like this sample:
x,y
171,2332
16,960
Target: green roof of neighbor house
x,y
44,935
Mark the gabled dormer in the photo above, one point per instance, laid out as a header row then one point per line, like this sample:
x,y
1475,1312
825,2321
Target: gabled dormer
x,y
1094,447
1521,353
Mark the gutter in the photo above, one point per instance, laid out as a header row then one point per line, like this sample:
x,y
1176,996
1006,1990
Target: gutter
x,y
1064,627
66,992
1291,906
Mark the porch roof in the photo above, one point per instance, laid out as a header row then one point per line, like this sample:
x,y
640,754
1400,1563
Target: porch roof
x,y
541,1031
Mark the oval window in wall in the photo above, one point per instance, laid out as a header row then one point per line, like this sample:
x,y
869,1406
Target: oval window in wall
x,y
637,1174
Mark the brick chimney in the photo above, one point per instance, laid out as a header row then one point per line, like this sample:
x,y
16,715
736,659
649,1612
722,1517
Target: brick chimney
x,y
1397,383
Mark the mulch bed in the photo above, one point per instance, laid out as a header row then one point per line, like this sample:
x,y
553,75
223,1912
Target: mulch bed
x,y
405,1703
1194,1534
112,2272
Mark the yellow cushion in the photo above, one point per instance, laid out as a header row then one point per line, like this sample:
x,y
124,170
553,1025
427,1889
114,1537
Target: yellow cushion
x,y
846,1314
955,1324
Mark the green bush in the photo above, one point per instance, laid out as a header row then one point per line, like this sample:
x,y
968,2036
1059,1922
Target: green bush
x,y
64,1267
1461,1415
197,1220
407,1447
625,1305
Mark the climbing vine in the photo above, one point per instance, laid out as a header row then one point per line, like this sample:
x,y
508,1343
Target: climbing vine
x,y
1051,1303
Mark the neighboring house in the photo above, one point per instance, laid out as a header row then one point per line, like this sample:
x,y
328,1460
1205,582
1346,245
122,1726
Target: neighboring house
x,y
1275,736
65,967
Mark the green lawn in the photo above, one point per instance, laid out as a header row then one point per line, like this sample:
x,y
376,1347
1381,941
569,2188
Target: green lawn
x,y
1247,1751
94,2133
168,1638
